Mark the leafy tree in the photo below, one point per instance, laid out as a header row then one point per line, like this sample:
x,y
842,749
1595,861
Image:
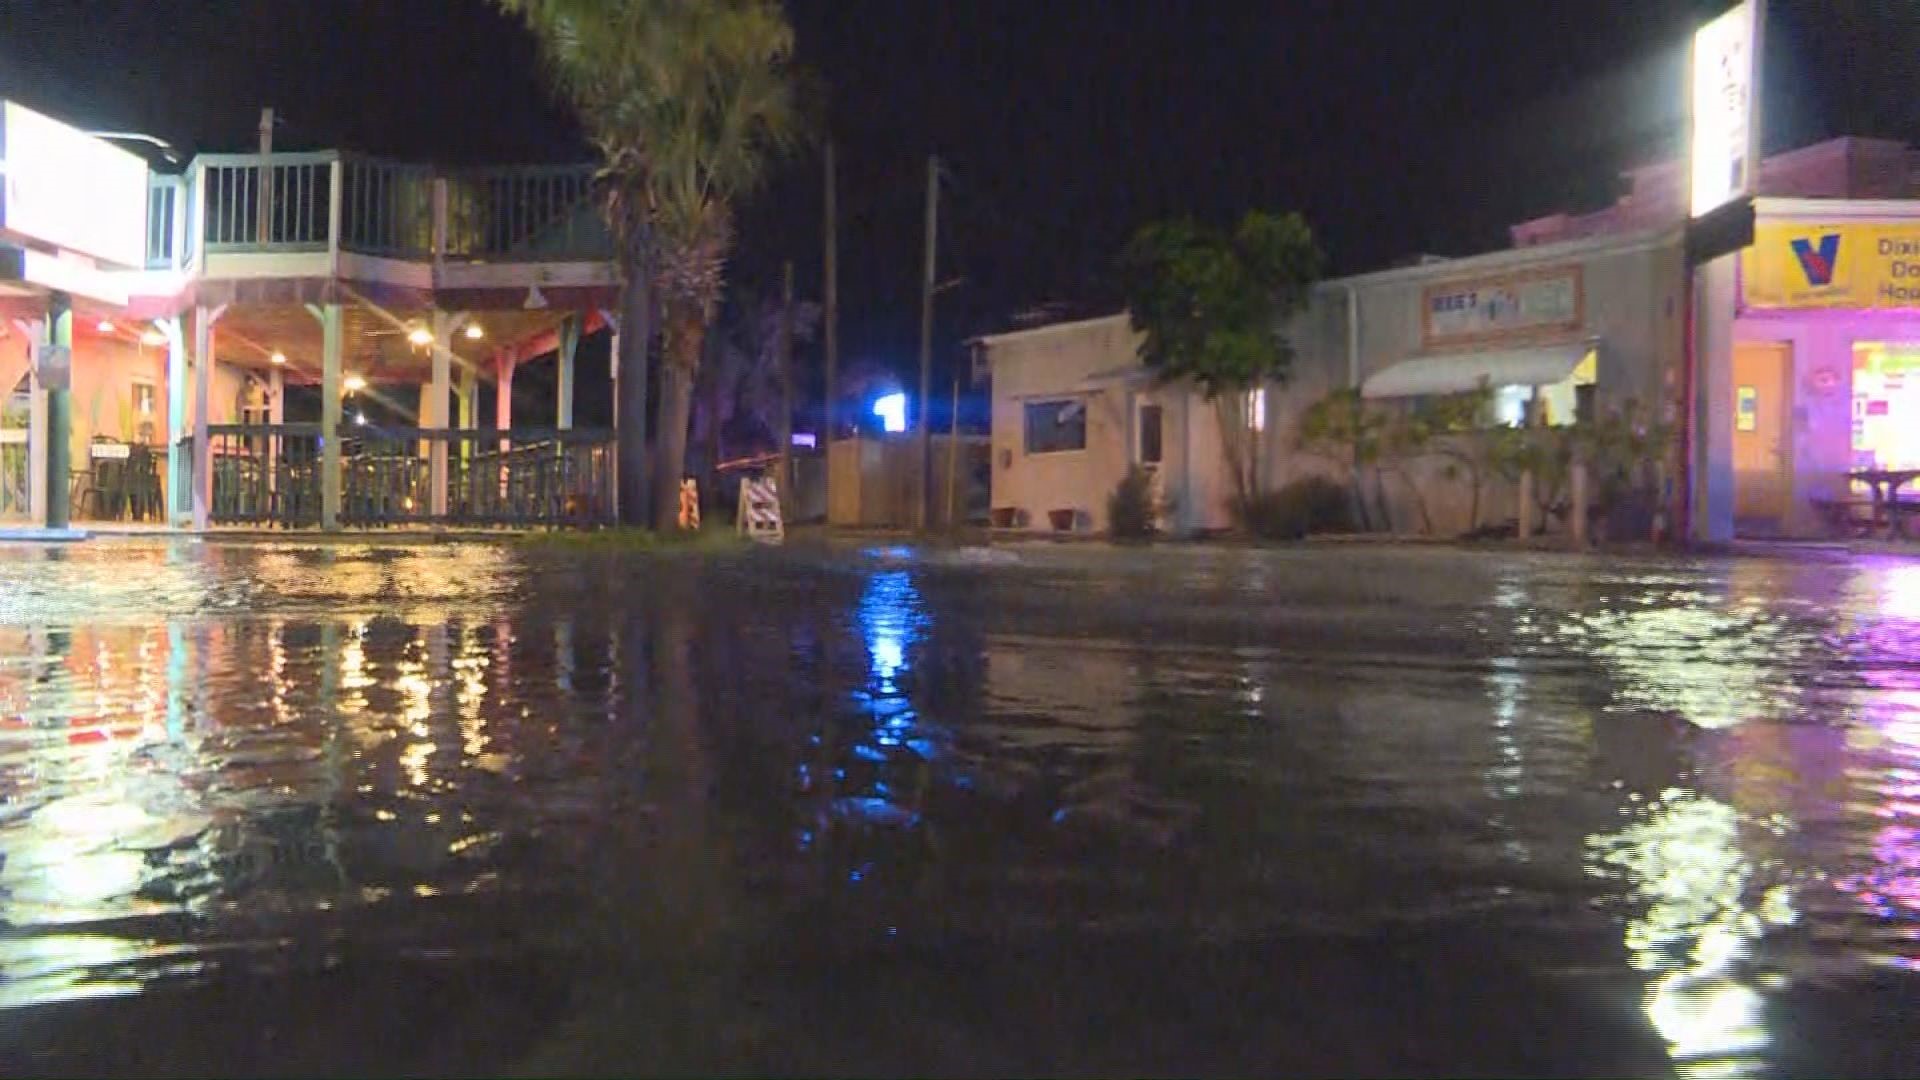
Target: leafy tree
x,y
1343,428
738,394
687,102
1212,304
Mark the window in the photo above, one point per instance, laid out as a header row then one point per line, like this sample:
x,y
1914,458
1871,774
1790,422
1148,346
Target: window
x,y
1257,408
143,399
1150,446
1053,426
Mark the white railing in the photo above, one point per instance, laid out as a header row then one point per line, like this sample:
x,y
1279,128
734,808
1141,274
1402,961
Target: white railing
x,y
290,202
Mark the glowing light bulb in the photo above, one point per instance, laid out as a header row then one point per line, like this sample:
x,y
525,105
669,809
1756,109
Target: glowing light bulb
x,y
355,383
278,358
420,335
475,331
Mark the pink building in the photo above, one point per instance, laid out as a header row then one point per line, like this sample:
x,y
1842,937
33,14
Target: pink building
x,y
1823,364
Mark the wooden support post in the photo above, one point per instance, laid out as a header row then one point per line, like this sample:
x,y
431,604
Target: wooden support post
x,y
436,416
204,319
176,416
331,379
569,346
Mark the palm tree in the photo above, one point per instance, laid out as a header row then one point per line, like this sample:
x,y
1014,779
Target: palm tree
x,y
687,101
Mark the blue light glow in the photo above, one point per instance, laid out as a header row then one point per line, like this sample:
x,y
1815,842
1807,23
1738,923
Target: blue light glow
x,y
892,411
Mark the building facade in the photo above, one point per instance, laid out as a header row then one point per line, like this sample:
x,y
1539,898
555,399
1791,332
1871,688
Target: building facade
x,y
1074,409
153,322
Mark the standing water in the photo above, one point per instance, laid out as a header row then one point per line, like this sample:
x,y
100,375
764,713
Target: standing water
x,y
472,808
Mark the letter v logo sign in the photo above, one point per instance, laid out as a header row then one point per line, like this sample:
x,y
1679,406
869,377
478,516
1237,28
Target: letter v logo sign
x,y
1818,262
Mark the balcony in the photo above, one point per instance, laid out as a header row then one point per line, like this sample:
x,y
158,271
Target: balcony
x,y
327,203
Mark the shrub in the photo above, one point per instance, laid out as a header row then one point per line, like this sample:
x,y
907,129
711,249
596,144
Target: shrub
x,y
1130,509
1311,504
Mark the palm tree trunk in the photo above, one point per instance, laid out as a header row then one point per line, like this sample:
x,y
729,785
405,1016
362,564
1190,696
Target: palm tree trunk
x,y
636,333
686,333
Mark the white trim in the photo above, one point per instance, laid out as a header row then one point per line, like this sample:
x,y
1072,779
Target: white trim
x,y
520,275
1766,209
1513,258
991,340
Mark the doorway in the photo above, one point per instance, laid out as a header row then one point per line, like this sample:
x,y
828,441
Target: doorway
x,y
1762,435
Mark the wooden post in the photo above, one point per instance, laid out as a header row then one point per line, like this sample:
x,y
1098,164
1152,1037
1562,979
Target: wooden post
x,y
831,319
176,414
203,320
783,429
924,404
331,377
953,456
441,389
564,380
265,201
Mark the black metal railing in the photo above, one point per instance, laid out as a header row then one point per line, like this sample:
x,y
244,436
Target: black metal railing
x,y
263,474
270,475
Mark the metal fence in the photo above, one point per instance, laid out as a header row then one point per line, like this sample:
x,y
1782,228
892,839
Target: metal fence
x,y
269,475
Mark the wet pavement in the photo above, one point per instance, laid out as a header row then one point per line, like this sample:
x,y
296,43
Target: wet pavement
x,y
284,809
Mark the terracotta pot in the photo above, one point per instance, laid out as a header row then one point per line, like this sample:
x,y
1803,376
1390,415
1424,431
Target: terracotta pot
x,y
1004,516
1062,520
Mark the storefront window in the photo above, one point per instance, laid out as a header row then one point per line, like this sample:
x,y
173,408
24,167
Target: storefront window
x,y
1563,404
1886,406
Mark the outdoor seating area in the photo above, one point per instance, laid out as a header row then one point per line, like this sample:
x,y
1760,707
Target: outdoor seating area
x,y
119,482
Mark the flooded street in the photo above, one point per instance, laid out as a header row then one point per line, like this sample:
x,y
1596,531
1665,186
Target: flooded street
x,y
1040,810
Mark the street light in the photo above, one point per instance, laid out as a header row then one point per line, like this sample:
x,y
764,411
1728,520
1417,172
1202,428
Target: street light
x,y
355,384
420,335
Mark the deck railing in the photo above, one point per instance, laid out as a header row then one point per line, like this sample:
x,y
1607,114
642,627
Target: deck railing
x,y
269,475
289,202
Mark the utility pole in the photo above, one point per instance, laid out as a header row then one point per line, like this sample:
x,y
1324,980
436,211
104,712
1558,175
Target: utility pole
x,y
785,426
926,344
953,457
265,176
831,243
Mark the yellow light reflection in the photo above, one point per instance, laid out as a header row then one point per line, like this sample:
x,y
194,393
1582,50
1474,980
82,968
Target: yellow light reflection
x,y
1704,904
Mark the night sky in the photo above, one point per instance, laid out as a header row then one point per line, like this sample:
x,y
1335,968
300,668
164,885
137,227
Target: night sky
x,y
1398,128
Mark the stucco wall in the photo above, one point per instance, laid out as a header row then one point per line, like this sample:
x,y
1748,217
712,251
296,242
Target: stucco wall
x,y
1057,362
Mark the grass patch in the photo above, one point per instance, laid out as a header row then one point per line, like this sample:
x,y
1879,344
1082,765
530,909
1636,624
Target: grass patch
x,y
634,540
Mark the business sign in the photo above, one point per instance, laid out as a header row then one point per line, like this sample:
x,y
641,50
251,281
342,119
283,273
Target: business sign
x,y
1832,266
1529,304
66,189
1725,108
53,364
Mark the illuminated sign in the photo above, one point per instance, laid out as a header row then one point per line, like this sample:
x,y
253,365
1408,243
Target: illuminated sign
x,y
1725,104
1529,304
1832,266
67,189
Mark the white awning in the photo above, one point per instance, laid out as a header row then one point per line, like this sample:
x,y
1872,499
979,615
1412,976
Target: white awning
x,y
1456,373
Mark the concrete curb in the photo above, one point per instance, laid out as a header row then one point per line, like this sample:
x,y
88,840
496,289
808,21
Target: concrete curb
x,y
44,536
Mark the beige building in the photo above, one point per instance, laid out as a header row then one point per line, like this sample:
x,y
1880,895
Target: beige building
x,y
1074,408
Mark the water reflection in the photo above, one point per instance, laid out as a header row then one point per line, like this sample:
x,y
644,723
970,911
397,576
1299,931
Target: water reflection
x,y
1703,904
1179,774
